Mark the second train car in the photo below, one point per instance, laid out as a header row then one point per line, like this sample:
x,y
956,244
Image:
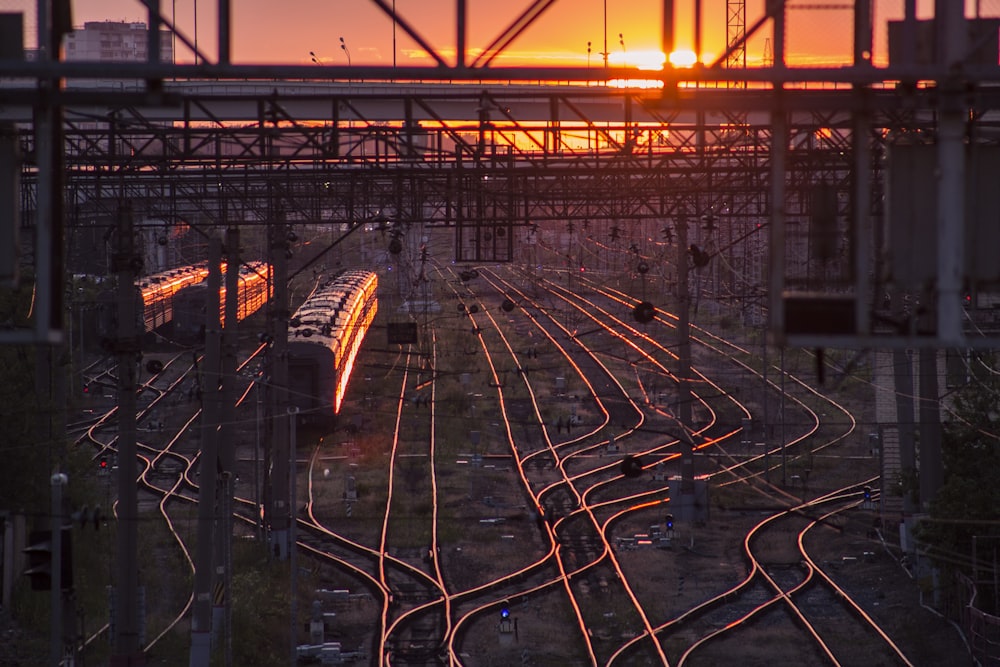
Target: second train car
x,y
189,303
324,336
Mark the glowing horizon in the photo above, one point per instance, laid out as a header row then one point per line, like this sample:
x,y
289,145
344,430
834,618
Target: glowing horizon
x,y
578,33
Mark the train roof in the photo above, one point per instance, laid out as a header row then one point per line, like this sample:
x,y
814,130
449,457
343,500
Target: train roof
x,y
318,320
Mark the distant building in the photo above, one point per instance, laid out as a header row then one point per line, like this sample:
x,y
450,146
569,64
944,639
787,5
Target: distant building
x,y
113,41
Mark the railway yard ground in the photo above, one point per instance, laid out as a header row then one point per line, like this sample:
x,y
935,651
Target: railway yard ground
x,y
687,573
704,559
486,529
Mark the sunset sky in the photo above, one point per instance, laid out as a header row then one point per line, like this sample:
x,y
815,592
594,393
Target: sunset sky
x,y
269,31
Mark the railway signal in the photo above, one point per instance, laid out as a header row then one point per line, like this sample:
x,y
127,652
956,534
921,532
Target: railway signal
x,y
644,312
507,625
874,444
631,466
39,551
699,257
85,516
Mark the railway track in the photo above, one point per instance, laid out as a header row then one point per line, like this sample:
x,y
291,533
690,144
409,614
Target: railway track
x,y
494,476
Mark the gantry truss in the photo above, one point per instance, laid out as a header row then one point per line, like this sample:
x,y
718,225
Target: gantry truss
x,y
800,152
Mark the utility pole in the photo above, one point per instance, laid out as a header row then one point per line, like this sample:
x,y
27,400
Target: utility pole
x,y
903,386
57,644
279,513
221,615
931,465
127,651
684,370
201,622
293,567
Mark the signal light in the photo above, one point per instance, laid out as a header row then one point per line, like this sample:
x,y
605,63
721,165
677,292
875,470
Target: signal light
x,y
39,552
631,466
699,257
505,610
83,516
644,312
669,521
867,491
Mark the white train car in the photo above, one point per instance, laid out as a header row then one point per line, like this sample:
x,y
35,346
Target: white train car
x,y
324,336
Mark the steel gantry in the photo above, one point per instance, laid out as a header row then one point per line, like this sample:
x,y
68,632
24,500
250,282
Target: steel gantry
x,y
489,151
528,156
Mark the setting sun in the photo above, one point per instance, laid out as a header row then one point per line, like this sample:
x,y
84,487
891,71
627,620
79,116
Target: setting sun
x,y
643,59
683,58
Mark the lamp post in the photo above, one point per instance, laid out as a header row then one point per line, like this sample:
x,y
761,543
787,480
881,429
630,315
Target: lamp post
x,y
343,47
195,32
394,34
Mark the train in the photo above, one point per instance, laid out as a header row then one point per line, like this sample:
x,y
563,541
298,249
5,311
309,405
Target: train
x,y
324,336
189,302
154,296
157,291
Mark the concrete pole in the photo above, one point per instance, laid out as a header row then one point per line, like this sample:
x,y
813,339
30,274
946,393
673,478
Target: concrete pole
x,y
461,36
278,512
201,622
950,18
293,592
58,481
667,35
127,649
776,278
227,414
684,370
903,384
861,232
931,465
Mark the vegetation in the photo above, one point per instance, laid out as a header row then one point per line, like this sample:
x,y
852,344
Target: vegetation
x,y
964,512
25,413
